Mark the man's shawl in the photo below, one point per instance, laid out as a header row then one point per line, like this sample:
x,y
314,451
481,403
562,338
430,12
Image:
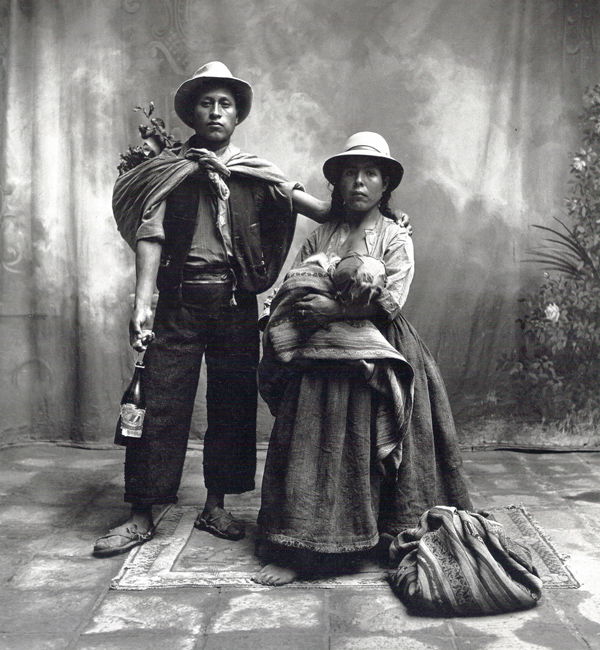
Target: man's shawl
x,y
287,347
141,189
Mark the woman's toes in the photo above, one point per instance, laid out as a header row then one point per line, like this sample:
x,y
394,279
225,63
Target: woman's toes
x,y
275,575
261,577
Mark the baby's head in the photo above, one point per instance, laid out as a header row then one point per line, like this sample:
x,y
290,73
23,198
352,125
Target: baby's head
x,y
358,278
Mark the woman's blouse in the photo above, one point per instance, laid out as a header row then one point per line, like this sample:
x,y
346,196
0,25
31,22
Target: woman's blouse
x,y
387,240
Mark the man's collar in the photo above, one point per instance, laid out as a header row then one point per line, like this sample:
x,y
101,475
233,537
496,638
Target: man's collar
x,y
225,154
228,153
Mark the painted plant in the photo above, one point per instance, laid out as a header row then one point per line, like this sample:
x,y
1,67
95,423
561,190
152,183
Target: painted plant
x,y
556,371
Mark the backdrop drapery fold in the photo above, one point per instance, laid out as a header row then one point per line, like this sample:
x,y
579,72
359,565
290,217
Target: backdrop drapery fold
x,y
479,100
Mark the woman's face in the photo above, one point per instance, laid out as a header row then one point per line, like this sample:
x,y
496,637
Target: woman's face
x,y
361,184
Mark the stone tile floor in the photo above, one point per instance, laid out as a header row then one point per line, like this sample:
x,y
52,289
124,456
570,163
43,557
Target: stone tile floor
x,y
54,501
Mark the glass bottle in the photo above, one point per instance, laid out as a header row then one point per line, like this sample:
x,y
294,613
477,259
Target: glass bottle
x,y
133,409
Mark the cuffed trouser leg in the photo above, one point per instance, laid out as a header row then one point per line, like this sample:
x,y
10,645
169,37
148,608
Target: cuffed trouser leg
x,y
154,463
230,440
231,362
229,334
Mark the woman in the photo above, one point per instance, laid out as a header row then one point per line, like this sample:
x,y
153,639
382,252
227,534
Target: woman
x,y
326,490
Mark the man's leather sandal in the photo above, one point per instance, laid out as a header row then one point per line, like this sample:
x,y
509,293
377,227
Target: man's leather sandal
x,y
220,523
109,544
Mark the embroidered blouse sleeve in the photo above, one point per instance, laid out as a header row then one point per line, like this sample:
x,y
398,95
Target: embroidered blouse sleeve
x,y
399,261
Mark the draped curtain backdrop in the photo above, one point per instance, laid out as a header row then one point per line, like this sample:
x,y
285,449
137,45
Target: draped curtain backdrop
x,y
478,99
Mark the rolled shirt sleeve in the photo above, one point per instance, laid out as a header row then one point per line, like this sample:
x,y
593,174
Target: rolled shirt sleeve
x,y
151,226
282,193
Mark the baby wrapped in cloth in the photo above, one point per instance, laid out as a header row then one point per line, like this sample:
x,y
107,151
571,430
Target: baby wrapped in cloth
x,y
289,348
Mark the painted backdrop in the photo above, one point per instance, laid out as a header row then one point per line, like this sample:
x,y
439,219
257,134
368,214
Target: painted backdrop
x,y
478,99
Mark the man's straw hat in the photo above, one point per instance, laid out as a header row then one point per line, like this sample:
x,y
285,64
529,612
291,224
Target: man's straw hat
x,y
214,71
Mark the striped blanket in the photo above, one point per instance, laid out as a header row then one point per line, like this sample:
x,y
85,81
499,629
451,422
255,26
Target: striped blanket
x,y
459,563
351,344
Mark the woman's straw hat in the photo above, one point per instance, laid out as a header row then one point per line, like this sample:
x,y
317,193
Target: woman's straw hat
x,y
371,145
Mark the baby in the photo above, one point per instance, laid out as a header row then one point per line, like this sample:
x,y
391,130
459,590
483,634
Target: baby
x,y
353,279
357,278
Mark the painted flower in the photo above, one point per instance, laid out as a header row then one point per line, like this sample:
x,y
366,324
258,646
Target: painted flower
x,y
592,96
552,312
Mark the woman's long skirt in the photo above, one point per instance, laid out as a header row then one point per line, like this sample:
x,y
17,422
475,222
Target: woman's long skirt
x,y
322,490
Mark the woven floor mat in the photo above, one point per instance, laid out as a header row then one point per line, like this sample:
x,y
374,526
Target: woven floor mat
x,y
181,556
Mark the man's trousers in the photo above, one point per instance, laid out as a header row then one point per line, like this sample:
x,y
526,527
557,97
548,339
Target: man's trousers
x,y
205,324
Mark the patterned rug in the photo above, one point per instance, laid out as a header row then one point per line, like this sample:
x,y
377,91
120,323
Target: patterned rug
x,y
181,556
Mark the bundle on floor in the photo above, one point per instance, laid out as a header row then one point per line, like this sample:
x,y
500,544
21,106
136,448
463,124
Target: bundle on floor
x,y
460,563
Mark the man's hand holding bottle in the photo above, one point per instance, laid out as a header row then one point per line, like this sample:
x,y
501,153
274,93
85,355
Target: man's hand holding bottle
x,y
140,328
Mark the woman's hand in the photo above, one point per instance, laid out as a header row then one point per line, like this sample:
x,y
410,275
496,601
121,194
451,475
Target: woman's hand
x,y
404,221
315,311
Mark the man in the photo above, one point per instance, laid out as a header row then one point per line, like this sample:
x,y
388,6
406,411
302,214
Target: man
x,y
211,227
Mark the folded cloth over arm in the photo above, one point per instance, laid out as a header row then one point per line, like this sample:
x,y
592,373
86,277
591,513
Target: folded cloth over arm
x,y
288,348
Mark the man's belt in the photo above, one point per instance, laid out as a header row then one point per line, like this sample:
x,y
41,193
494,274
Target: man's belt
x,y
207,275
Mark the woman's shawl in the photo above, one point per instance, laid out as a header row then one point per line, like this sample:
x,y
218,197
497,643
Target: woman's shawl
x,y
460,563
141,189
286,347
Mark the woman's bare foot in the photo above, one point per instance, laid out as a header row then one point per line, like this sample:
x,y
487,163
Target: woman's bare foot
x,y
275,575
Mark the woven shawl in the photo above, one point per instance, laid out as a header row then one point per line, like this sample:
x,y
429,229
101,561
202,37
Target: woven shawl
x,y
141,189
460,563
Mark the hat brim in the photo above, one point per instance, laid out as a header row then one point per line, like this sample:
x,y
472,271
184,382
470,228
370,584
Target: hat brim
x,y
391,167
187,92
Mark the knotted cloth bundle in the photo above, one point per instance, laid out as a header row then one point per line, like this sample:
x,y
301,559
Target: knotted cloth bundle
x,y
139,190
460,563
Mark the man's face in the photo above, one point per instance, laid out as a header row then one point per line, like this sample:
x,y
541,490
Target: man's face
x,y
215,115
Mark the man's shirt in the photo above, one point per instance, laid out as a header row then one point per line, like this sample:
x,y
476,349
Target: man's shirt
x,y
211,243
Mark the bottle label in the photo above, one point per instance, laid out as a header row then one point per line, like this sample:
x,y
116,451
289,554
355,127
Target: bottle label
x,y
132,420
